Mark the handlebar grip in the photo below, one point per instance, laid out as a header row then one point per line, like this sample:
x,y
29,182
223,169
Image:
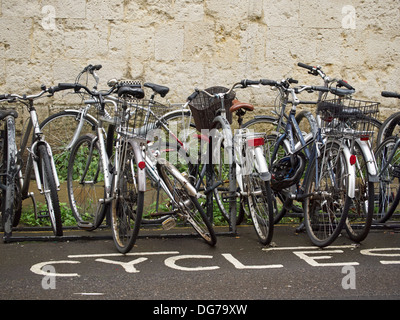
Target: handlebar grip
x,y
305,66
266,82
97,67
319,88
66,86
343,83
389,94
193,95
245,83
3,96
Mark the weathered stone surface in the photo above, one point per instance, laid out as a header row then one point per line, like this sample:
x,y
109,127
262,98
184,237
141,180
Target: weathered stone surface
x,y
194,43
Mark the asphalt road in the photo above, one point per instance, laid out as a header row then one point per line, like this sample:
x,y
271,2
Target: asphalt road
x,y
185,268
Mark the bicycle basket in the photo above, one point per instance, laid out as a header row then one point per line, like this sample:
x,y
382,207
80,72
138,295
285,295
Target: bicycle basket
x,y
141,116
348,117
205,108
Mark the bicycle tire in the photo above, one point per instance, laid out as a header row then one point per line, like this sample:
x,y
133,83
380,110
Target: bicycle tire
x,y
59,129
189,207
50,189
260,206
388,195
8,174
388,128
85,183
325,215
359,218
128,201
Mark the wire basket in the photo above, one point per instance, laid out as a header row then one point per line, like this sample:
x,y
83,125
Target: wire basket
x,y
348,117
140,117
205,108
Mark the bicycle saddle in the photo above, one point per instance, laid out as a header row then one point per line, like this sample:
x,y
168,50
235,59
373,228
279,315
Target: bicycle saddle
x,y
236,105
131,91
5,113
161,90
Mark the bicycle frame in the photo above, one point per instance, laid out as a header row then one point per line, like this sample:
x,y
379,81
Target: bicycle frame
x,y
32,158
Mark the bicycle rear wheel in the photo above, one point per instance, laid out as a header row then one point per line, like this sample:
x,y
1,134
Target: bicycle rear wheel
x,y
128,201
327,204
59,129
49,188
10,202
189,209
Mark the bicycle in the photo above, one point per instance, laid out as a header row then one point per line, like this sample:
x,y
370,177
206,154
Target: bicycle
x,y
361,124
114,163
64,128
16,183
387,157
321,161
235,165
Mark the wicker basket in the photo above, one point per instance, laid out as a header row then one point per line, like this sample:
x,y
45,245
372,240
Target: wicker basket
x,y
205,108
348,117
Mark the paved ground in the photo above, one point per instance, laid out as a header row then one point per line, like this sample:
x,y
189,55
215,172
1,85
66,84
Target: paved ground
x,y
87,266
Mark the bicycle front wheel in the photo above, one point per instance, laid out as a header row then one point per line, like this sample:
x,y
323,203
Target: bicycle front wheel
x,y
327,202
387,193
49,189
359,218
128,201
260,206
85,183
189,208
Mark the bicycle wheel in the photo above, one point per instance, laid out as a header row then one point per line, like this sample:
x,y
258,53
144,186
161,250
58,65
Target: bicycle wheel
x,y
10,200
359,218
390,127
85,183
189,208
223,172
265,124
326,207
260,206
59,130
387,193
49,189
127,203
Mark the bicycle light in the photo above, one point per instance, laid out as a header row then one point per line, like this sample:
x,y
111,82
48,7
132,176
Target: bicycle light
x,y
353,159
142,165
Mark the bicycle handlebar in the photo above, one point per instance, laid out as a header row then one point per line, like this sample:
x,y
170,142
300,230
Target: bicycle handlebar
x,y
77,87
389,94
243,84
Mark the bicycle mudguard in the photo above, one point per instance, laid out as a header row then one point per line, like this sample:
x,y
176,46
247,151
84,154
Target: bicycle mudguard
x,y
352,172
371,163
139,159
177,175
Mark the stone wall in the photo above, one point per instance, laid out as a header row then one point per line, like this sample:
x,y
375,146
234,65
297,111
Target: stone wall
x,y
193,43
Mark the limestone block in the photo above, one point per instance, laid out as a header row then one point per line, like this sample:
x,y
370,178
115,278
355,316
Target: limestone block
x,y
169,41
100,9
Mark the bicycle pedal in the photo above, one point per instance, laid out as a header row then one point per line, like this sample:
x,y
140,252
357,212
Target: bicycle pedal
x,y
169,223
85,225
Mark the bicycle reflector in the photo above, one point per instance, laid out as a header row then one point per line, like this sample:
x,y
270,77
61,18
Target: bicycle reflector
x,y
142,165
255,142
353,159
